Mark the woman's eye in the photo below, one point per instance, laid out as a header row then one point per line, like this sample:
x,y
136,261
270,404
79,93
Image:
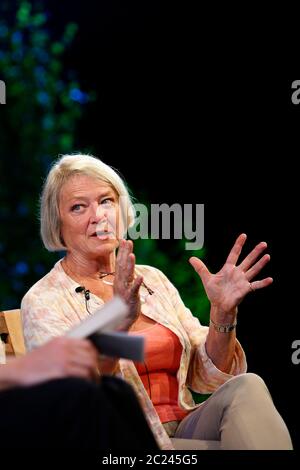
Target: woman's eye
x,y
76,207
107,201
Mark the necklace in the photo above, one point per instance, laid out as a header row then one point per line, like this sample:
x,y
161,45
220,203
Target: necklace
x,y
78,278
103,274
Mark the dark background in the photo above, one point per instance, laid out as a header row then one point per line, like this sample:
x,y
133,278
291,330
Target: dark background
x,y
190,120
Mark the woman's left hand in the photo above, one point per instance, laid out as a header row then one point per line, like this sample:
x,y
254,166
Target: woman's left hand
x,y
227,288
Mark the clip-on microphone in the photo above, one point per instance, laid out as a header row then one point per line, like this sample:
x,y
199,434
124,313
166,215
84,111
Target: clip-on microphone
x,y
83,289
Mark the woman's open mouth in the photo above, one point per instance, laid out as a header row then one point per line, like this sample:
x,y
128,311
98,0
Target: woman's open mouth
x,y
103,234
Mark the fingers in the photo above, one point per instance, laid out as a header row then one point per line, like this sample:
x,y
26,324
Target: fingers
x,y
82,372
82,354
61,357
236,249
125,266
251,273
84,346
86,358
120,257
82,360
86,365
129,272
128,247
253,255
261,284
125,285
200,268
125,248
136,287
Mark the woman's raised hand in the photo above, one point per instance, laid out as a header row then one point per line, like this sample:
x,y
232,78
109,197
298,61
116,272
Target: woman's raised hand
x,y
124,283
227,288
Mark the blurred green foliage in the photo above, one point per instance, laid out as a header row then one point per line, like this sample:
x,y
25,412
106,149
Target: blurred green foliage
x,y
44,106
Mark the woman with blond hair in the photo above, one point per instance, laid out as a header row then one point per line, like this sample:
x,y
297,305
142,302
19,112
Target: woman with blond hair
x,y
86,211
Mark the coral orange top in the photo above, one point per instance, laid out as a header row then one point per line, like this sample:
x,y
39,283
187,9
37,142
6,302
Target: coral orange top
x,y
162,359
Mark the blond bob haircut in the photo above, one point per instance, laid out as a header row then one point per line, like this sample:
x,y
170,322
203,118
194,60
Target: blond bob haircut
x,y
63,169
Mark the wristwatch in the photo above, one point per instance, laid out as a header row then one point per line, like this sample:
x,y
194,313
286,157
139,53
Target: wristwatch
x,y
223,328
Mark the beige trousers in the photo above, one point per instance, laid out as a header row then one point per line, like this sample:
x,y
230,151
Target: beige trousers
x,y
239,415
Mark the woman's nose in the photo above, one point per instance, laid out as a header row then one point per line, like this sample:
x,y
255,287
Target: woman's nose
x,y
98,213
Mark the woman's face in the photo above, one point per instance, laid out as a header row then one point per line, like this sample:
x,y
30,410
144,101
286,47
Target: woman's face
x,y
89,212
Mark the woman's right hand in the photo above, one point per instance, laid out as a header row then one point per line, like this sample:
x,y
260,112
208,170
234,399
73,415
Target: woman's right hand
x,y
124,283
59,358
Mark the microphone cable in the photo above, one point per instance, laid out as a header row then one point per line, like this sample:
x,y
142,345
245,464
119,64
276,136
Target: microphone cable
x,y
148,377
86,296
